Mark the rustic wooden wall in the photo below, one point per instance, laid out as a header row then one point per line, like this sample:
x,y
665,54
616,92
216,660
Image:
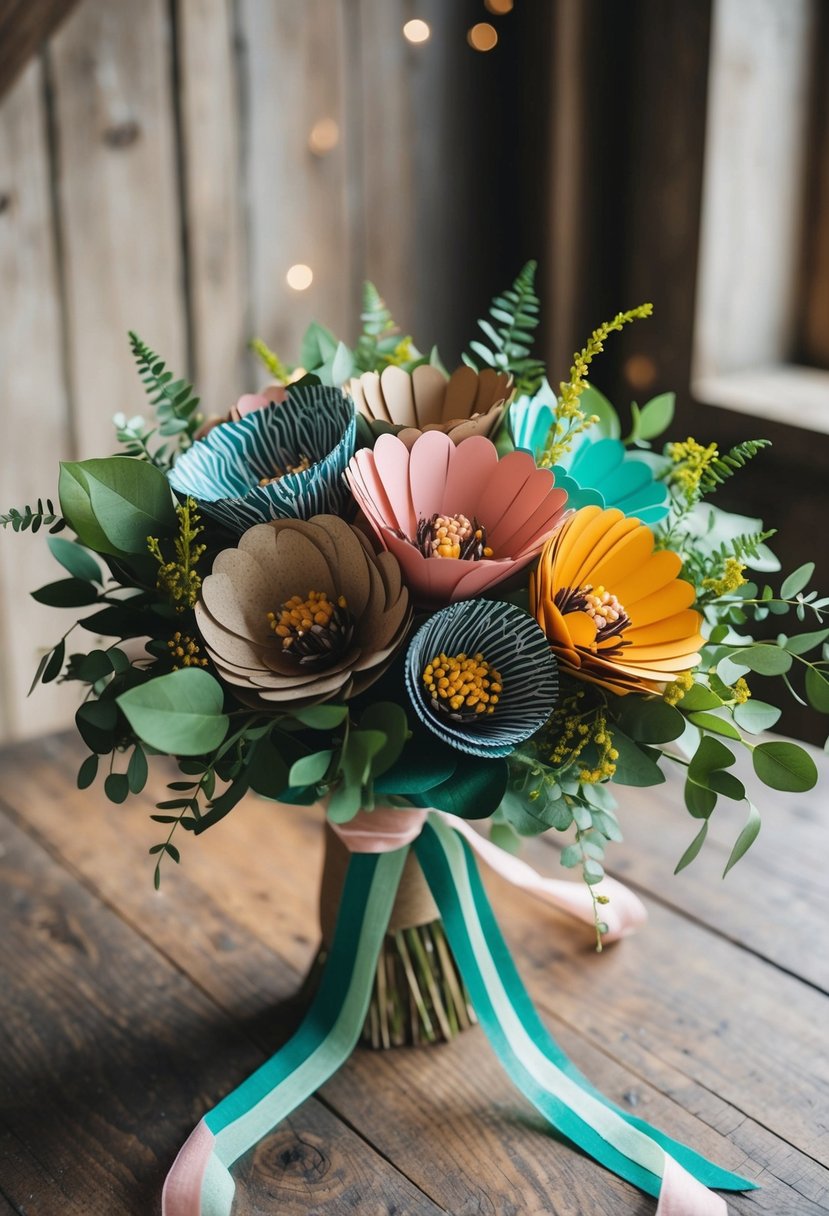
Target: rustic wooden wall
x,y
156,175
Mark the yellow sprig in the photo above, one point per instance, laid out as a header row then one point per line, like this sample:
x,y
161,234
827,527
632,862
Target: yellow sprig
x,y
280,371
570,420
179,576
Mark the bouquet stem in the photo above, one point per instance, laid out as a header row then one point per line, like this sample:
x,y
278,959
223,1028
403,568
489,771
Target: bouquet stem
x,y
418,996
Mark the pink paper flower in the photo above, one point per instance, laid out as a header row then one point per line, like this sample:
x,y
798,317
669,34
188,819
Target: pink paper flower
x,y
248,403
458,519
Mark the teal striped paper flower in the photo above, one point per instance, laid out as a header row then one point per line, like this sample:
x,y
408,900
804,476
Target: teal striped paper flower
x,y
282,462
596,471
481,676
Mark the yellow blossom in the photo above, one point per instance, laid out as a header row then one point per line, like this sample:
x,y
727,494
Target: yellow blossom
x,y
185,651
675,691
732,578
401,354
741,691
690,460
179,577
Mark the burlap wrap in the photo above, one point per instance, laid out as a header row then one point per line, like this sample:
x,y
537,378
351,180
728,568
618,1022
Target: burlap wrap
x,y
413,906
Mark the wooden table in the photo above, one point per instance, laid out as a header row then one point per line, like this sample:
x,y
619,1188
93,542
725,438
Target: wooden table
x,y
127,1013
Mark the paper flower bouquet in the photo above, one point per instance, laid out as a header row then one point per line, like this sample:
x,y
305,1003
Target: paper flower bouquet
x,y
424,599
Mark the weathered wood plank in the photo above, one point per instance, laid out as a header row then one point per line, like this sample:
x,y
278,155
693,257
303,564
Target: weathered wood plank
x,y
33,419
214,198
296,208
102,1044
119,206
24,27
770,902
274,902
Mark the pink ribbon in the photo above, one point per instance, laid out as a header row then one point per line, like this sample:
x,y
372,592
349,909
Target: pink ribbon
x,y
389,828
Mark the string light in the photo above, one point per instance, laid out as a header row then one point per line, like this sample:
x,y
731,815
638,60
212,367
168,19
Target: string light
x,y
299,276
482,37
416,30
324,136
499,7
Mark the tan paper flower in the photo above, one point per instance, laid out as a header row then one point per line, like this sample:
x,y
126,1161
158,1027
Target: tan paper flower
x,y
302,611
467,403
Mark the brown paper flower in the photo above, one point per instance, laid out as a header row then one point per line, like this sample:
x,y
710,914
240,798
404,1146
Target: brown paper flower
x,y
302,611
467,403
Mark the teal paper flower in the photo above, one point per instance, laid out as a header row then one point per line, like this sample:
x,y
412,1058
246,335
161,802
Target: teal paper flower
x,y
481,676
597,470
282,462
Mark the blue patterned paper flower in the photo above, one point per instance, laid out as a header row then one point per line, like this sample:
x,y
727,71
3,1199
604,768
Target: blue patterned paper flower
x,y
481,676
596,471
283,462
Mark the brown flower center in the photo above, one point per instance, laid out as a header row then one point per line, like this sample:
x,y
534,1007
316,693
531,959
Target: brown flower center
x,y
461,686
452,536
609,616
303,463
313,630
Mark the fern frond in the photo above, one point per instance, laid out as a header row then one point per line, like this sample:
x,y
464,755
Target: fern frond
x,y
723,467
33,518
513,316
376,317
746,545
174,401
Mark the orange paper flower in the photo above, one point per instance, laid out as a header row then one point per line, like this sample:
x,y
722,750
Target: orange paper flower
x,y
612,607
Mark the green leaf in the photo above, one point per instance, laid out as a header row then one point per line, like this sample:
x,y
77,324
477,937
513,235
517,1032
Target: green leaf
x,y
693,848
119,499
310,770
531,816
767,659
180,714
718,726
784,766
474,791
92,667
699,697
806,641
633,765
321,717
817,688
656,416
88,772
55,664
756,716
318,345
424,763
699,800
650,720
710,756
746,838
268,771
593,871
75,559
390,718
96,721
66,593
137,770
592,401
796,581
116,787
342,365
727,784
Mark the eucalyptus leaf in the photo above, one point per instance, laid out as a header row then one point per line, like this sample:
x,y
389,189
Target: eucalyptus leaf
x,y
120,498
796,581
698,697
746,838
310,770
767,659
180,713
756,716
693,848
66,593
633,765
656,416
817,688
321,717
75,559
784,766
804,642
718,726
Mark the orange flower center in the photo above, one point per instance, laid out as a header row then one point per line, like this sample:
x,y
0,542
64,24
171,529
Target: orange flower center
x,y
312,629
464,687
452,536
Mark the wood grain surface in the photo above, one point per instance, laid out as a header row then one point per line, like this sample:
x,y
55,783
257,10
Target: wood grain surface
x,y
126,1014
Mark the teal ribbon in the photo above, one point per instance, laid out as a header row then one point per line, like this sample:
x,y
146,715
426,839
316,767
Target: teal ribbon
x,y
200,1183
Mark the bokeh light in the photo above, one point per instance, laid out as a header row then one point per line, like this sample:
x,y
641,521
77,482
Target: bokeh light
x,y
416,30
324,136
482,37
299,276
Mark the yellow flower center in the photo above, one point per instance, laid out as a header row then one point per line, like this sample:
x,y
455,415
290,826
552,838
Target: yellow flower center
x,y
185,651
604,608
464,687
608,615
452,536
301,465
314,628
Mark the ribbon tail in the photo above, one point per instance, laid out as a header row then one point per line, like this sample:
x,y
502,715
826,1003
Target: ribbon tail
x,y
623,914
534,1061
200,1183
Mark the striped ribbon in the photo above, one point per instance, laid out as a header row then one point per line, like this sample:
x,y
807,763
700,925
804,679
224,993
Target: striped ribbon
x,y
200,1183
